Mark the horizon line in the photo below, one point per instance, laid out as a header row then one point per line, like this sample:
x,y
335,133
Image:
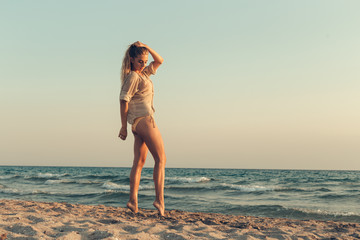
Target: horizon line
x,y
224,168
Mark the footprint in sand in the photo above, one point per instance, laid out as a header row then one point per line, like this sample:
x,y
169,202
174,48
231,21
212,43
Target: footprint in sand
x,y
34,219
108,221
21,229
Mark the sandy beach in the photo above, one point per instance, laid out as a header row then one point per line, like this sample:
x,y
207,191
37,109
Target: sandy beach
x,y
42,220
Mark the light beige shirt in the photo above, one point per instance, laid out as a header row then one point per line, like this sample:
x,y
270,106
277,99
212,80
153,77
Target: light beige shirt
x,y
138,91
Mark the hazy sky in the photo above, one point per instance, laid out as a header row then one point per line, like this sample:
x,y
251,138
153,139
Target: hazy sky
x,y
245,84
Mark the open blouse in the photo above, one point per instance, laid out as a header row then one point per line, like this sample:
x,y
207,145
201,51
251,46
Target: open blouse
x,y
138,91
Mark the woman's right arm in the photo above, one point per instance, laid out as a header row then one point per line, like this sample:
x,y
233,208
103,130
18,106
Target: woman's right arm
x,y
124,106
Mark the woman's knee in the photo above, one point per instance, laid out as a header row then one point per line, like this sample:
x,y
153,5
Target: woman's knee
x,y
160,159
139,162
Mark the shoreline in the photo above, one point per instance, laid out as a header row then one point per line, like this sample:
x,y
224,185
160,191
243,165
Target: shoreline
x,y
53,220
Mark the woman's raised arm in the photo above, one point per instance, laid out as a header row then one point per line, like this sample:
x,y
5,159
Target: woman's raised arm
x,y
158,60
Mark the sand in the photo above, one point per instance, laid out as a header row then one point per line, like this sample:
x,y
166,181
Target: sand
x,y
42,220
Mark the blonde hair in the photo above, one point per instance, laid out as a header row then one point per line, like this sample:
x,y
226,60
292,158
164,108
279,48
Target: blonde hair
x,y
132,52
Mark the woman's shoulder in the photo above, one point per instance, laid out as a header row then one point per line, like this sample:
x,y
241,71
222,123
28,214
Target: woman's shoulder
x,y
132,73
132,76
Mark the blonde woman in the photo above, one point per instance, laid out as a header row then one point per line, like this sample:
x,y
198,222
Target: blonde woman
x,y
136,108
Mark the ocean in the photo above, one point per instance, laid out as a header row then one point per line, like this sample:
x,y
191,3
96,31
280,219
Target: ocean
x,y
294,194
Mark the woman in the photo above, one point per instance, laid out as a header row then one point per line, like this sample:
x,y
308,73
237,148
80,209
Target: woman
x,y
136,107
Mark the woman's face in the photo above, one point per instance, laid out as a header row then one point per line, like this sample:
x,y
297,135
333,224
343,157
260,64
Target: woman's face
x,y
139,62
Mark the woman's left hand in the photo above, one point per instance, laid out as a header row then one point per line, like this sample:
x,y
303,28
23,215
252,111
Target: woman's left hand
x,y
123,133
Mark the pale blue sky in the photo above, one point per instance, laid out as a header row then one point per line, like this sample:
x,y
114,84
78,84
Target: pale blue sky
x,y
245,84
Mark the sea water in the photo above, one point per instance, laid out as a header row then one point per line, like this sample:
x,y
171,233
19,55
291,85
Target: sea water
x,y
295,194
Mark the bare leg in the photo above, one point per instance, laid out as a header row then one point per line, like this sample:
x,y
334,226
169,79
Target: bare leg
x,y
149,132
140,152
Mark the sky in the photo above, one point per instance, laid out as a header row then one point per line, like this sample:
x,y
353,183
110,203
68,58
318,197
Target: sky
x,y
245,84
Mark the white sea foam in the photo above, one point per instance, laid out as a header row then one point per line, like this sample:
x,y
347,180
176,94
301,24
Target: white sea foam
x,y
325,212
87,182
40,192
114,186
9,190
50,175
58,181
146,178
23,191
7,177
189,179
249,188
44,175
146,187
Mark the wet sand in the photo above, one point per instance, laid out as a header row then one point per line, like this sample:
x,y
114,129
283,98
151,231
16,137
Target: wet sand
x,y
42,220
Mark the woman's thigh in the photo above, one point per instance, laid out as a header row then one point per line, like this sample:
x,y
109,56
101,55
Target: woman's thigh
x,y
140,148
150,134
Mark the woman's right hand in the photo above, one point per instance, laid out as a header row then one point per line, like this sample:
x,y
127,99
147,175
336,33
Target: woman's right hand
x,y
123,133
139,44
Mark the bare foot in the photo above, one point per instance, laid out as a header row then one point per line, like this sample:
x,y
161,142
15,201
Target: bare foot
x,y
132,206
160,207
